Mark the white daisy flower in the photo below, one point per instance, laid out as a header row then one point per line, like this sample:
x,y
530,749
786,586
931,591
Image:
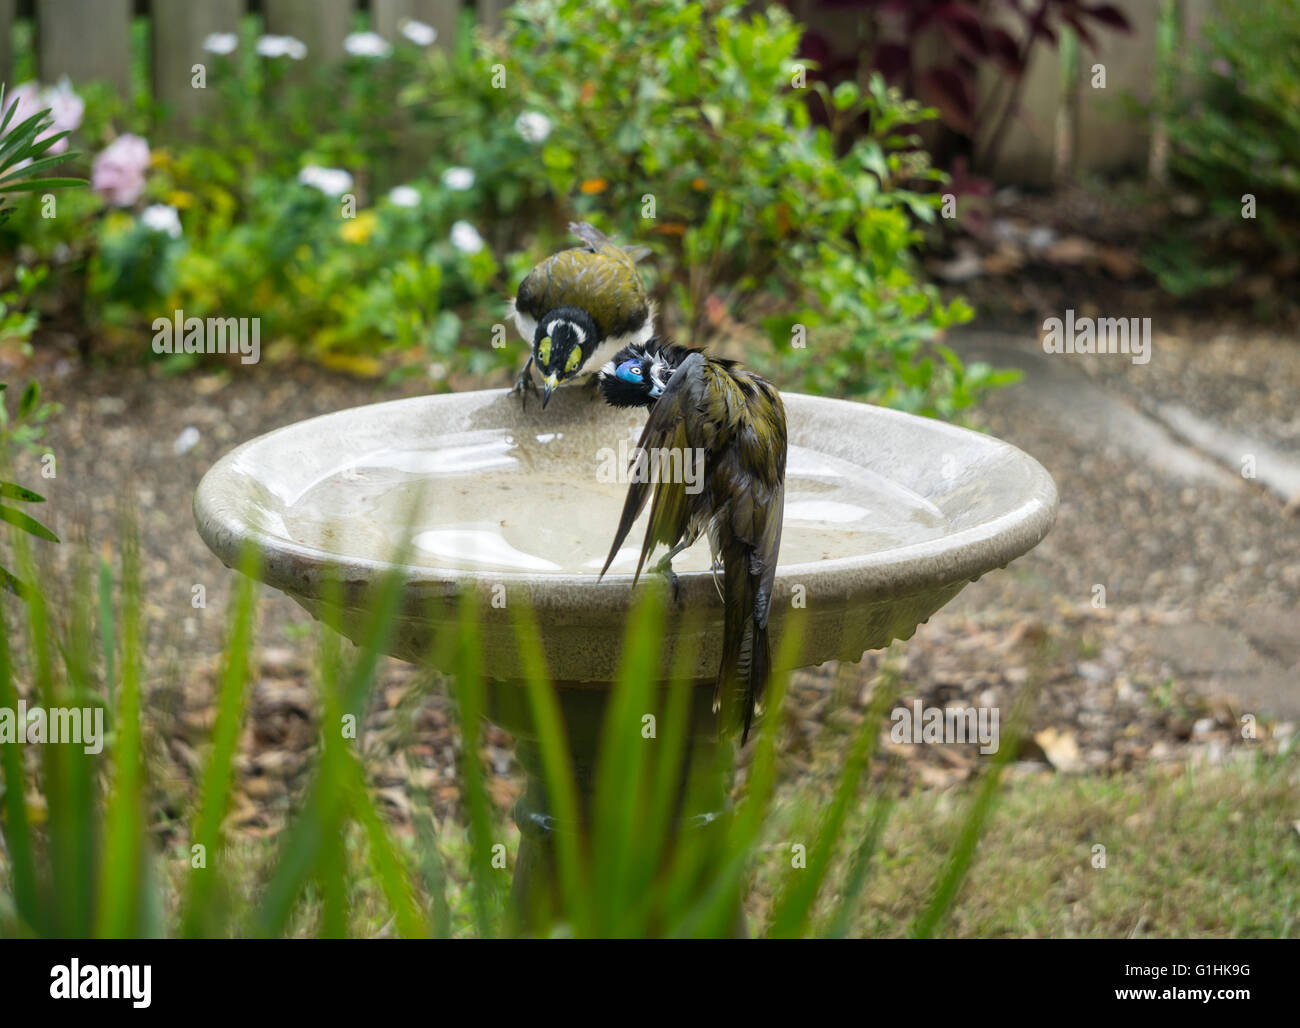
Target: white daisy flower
x,y
367,44
221,43
465,237
418,32
162,218
533,126
281,46
186,441
458,179
404,196
330,181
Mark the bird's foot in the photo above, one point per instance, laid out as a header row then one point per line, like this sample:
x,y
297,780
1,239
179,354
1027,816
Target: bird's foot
x,y
524,385
665,568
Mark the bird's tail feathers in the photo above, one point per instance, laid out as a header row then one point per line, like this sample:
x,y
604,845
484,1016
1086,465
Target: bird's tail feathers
x,y
746,653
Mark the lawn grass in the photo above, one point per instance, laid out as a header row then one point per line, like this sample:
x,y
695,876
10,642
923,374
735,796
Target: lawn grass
x,y
1200,851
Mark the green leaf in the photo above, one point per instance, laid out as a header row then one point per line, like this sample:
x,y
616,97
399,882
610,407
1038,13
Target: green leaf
x,y
13,491
27,524
30,398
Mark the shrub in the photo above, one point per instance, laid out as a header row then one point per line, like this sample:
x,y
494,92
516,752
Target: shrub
x,y
700,136
790,239
1236,131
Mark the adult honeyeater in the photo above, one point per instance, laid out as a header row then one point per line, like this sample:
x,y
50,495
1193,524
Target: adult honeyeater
x,y
577,302
735,419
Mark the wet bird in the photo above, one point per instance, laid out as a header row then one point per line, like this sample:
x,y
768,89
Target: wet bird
x,y
578,302
735,419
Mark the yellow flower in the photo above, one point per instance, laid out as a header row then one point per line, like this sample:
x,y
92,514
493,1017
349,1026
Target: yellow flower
x,y
594,185
360,228
180,199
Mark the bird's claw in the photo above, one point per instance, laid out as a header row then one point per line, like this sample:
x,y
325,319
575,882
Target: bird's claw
x,y
524,385
665,568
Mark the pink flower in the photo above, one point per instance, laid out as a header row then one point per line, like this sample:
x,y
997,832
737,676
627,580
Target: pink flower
x,y
65,106
118,172
67,109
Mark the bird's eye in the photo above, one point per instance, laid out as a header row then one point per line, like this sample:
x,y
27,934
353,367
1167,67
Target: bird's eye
x,y
630,371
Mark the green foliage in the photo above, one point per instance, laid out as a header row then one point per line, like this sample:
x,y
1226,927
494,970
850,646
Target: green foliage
x,y
699,136
1235,130
22,430
77,857
760,216
25,156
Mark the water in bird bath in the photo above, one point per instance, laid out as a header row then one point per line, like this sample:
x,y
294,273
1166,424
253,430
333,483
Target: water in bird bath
x,y
506,500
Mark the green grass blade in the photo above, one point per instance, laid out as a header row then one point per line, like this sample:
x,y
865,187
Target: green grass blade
x,y
108,630
20,843
557,768
882,805
121,899
27,523
469,694
955,868
793,909
620,802
201,913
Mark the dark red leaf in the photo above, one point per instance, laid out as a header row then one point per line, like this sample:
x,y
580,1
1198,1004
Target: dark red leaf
x,y
815,47
1081,31
1109,14
963,30
893,60
1005,51
949,92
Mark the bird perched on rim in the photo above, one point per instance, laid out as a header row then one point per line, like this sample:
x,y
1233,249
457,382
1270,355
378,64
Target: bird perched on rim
x,y
735,419
577,302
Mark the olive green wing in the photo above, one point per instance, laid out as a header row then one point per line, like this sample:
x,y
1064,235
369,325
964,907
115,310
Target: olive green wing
x,y
666,429
608,289
601,243
759,521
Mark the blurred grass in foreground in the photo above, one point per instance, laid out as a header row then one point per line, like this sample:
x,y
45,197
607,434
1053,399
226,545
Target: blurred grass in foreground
x,y
78,859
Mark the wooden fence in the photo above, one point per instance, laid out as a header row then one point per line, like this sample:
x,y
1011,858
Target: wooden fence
x,y
90,39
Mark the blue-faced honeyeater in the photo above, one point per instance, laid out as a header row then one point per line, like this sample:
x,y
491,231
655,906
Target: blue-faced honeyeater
x,y
706,405
577,302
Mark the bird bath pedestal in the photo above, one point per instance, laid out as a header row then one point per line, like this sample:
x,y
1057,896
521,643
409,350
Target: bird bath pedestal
x,y
887,517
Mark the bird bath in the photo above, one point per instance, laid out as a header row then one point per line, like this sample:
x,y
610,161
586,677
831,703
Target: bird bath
x,y
887,517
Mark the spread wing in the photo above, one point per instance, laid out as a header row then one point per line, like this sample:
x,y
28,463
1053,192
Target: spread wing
x,y
665,430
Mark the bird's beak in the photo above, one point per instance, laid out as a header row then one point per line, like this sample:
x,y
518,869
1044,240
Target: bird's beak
x,y
548,386
656,390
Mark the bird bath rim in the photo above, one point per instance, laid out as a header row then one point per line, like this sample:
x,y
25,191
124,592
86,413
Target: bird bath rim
x,y
998,502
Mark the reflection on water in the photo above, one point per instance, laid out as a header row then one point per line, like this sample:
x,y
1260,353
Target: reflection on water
x,y
490,501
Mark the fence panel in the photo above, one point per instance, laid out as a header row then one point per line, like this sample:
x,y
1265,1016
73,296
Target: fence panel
x,y
7,9
388,15
321,24
179,29
85,40
489,13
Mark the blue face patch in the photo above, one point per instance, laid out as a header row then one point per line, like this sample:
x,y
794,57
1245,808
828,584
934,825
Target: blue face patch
x,y
631,371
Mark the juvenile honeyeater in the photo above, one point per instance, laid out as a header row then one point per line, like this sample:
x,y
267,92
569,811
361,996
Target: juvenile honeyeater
x,y
735,420
578,306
